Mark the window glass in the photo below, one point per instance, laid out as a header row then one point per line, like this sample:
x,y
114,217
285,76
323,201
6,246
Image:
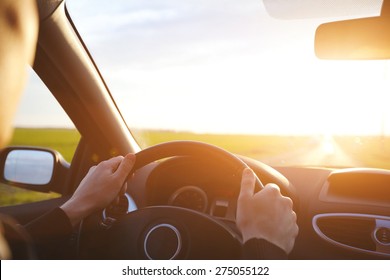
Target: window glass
x,y
40,122
242,75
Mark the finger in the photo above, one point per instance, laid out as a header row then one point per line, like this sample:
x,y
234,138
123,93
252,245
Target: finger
x,y
91,169
113,163
247,184
125,166
273,188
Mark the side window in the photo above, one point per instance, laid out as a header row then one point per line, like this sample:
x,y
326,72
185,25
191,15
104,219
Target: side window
x,y
40,122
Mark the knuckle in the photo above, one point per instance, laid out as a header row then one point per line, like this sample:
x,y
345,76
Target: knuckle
x,y
92,168
288,202
296,230
293,217
273,190
103,163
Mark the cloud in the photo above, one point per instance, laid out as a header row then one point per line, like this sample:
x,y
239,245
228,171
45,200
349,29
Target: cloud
x,y
153,54
163,33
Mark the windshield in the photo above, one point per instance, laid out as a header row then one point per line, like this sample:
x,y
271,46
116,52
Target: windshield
x,y
228,73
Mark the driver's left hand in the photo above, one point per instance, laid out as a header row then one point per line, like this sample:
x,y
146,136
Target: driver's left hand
x,y
100,187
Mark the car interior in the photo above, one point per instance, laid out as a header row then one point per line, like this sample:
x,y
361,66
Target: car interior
x,y
183,193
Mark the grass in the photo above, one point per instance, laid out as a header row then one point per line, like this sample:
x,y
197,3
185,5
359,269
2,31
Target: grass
x,y
369,151
10,195
255,146
62,140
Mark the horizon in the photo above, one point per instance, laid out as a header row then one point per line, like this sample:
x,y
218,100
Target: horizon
x,y
216,70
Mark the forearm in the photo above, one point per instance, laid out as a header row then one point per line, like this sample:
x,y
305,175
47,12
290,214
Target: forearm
x,y
51,234
260,249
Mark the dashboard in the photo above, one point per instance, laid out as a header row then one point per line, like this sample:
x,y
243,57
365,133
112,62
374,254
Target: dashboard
x,y
194,184
342,213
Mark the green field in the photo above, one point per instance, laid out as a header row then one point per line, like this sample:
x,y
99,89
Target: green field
x,y
255,146
369,151
62,140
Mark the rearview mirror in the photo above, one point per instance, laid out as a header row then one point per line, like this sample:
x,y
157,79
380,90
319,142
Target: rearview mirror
x,y
366,38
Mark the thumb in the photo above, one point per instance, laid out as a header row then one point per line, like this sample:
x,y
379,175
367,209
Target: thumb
x,y
247,184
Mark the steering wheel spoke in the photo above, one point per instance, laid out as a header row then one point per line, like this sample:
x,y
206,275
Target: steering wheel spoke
x,y
166,232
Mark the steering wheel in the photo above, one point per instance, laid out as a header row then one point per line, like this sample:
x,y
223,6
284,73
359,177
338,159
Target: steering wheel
x,y
168,232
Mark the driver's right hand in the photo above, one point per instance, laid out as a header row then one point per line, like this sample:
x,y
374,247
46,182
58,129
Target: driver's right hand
x,y
266,214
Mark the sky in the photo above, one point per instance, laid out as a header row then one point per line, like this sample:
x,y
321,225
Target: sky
x,y
222,66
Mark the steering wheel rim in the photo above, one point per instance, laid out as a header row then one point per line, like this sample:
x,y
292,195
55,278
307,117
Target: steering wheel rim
x,y
201,150
191,149
127,237
183,225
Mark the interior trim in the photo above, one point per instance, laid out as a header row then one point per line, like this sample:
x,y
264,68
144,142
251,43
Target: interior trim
x,y
380,222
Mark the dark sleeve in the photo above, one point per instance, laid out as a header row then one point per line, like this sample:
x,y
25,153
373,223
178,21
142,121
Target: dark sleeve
x,y
51,235
260,249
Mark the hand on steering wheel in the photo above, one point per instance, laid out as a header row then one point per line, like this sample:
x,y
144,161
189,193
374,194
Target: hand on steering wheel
x,y
266,214
142,234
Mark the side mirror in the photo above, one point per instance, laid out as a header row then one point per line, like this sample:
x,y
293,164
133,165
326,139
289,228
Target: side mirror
x,y
33,168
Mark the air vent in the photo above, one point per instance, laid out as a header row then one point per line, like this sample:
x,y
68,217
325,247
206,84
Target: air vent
x,y
349,231
354,231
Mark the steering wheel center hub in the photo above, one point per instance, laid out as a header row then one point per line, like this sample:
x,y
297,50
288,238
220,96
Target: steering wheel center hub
x,y
162,242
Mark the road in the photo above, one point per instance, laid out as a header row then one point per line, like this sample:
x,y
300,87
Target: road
x,y
323,151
